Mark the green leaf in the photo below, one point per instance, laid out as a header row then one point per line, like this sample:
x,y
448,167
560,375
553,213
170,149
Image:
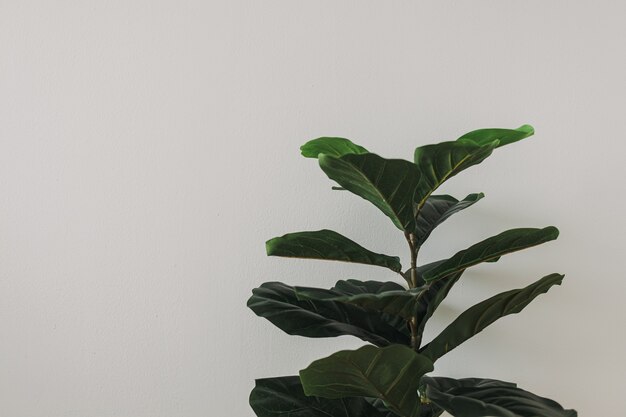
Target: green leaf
x,y
330,146
328,245
389,184
438,163
503,136
388,297
438,208
278,303
284,397
441,161
403,303
444,384
391,374
354,287
489,249
491,398
478,317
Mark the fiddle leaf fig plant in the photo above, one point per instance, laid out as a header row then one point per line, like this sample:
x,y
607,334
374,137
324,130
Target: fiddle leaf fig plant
x,y
390,375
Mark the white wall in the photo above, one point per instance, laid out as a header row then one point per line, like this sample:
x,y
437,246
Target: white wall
x,y
149,148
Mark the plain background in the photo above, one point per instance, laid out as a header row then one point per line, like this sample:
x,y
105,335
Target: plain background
x,y
149,148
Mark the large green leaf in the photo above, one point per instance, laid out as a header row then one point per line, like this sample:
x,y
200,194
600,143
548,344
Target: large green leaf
x,y
443,384
490,249
284,397
481,315
278,303
330,146
438,208
403,303
503,136
389,184
441,161
328,245
489,398
354,287
391,374
389,297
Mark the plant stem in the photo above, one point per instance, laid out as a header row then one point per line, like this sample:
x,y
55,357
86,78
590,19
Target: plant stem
x,y
410,238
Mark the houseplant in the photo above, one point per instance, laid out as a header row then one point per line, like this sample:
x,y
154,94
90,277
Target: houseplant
x,y
388,376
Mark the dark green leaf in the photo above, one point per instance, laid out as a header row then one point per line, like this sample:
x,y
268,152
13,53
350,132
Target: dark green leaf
x,y
278,303
330,146
284,397
441,161
354,287
328,245
387,297
481,315
444,384
493,247
503,136
438,208
402,303
391,374
389,184
491,398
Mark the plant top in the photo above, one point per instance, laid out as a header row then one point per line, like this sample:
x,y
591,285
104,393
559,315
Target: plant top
x,y
389,377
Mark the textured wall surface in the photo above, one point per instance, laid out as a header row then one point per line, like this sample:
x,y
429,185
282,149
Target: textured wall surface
x,y
149,148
